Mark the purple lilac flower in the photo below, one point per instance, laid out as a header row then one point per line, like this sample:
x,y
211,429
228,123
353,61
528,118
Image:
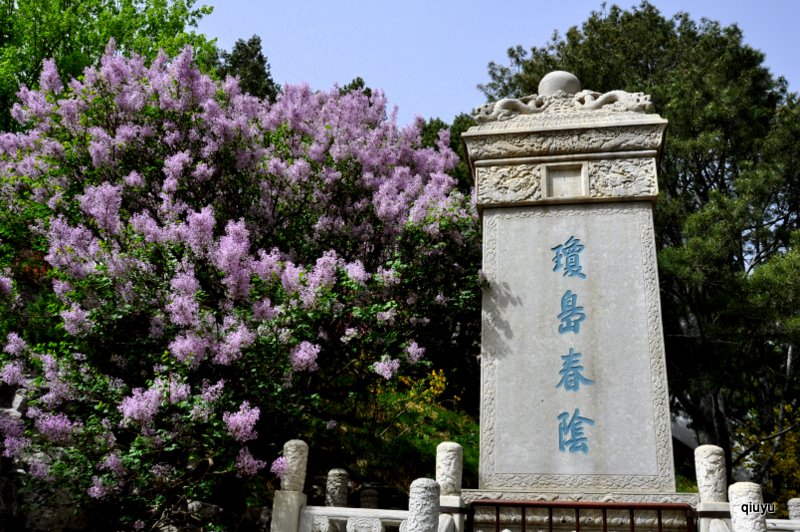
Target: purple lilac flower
x,y
49,79
280,467
211,393
178,391
98,490
414,352
388,276
183,308
12,428
304,356
189,348
387,367
40,470
241,424
113,464
200,230
61,288
6,285
349,334
387,315
232,257
247,465
331,424
141,405
12,373
133,179
76,321
56,427
237,338
263,310
355,270
268,264
15,345
102,203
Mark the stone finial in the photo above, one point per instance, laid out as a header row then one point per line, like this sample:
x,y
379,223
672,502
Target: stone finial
x,y
336,487
296,454
369,498
709,463
558,80
794,509
746,502
423,506
449,464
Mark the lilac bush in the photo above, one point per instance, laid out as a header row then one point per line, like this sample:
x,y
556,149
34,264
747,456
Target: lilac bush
x,y
228,274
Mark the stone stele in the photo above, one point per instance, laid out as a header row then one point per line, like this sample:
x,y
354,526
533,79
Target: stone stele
x,y
573,378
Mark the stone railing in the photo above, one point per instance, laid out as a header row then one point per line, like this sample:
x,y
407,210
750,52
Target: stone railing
x,y
743,502
427,499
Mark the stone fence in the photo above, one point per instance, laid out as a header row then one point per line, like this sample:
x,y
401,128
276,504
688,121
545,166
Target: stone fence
x,y
722,508
427,499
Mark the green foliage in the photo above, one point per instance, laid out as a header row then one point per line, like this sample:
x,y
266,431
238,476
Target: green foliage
x,y
727,208
75,33
247,62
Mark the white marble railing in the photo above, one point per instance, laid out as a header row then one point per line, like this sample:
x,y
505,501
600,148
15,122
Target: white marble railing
x,y
783,524
321,519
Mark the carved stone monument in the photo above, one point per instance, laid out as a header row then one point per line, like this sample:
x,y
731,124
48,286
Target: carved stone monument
x,y
574,389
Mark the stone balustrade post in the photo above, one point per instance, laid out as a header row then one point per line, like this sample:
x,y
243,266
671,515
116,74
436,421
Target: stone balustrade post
x,y
336,487
290,499
449,467
369,498
423,506
794,509
746,503
709,463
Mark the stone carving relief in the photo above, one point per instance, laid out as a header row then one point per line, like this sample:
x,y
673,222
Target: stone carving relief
x,y
449,458
336,488
296,454
608,178
503,184
364,524
623,177
585,140
709,462
561,102
423,505
321,524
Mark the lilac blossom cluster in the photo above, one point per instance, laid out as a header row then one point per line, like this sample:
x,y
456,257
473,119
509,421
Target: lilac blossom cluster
x,y
206,246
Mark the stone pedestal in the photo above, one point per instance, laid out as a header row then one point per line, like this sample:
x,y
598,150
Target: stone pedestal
x,y
573,385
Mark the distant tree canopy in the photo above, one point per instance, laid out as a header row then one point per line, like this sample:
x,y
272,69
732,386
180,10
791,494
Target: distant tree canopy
x,y
247,62
727,219
75,32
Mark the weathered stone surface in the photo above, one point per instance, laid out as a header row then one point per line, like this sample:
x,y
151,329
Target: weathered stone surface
x,y
364,524
509,184
709,462
486,143
296,454
606,180
471,495
336,487
423,506
794,509
621,342
743,497
623,178
369,498
559,80
449,466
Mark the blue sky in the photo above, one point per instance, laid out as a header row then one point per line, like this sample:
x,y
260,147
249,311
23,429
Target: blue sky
x,y
429,55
